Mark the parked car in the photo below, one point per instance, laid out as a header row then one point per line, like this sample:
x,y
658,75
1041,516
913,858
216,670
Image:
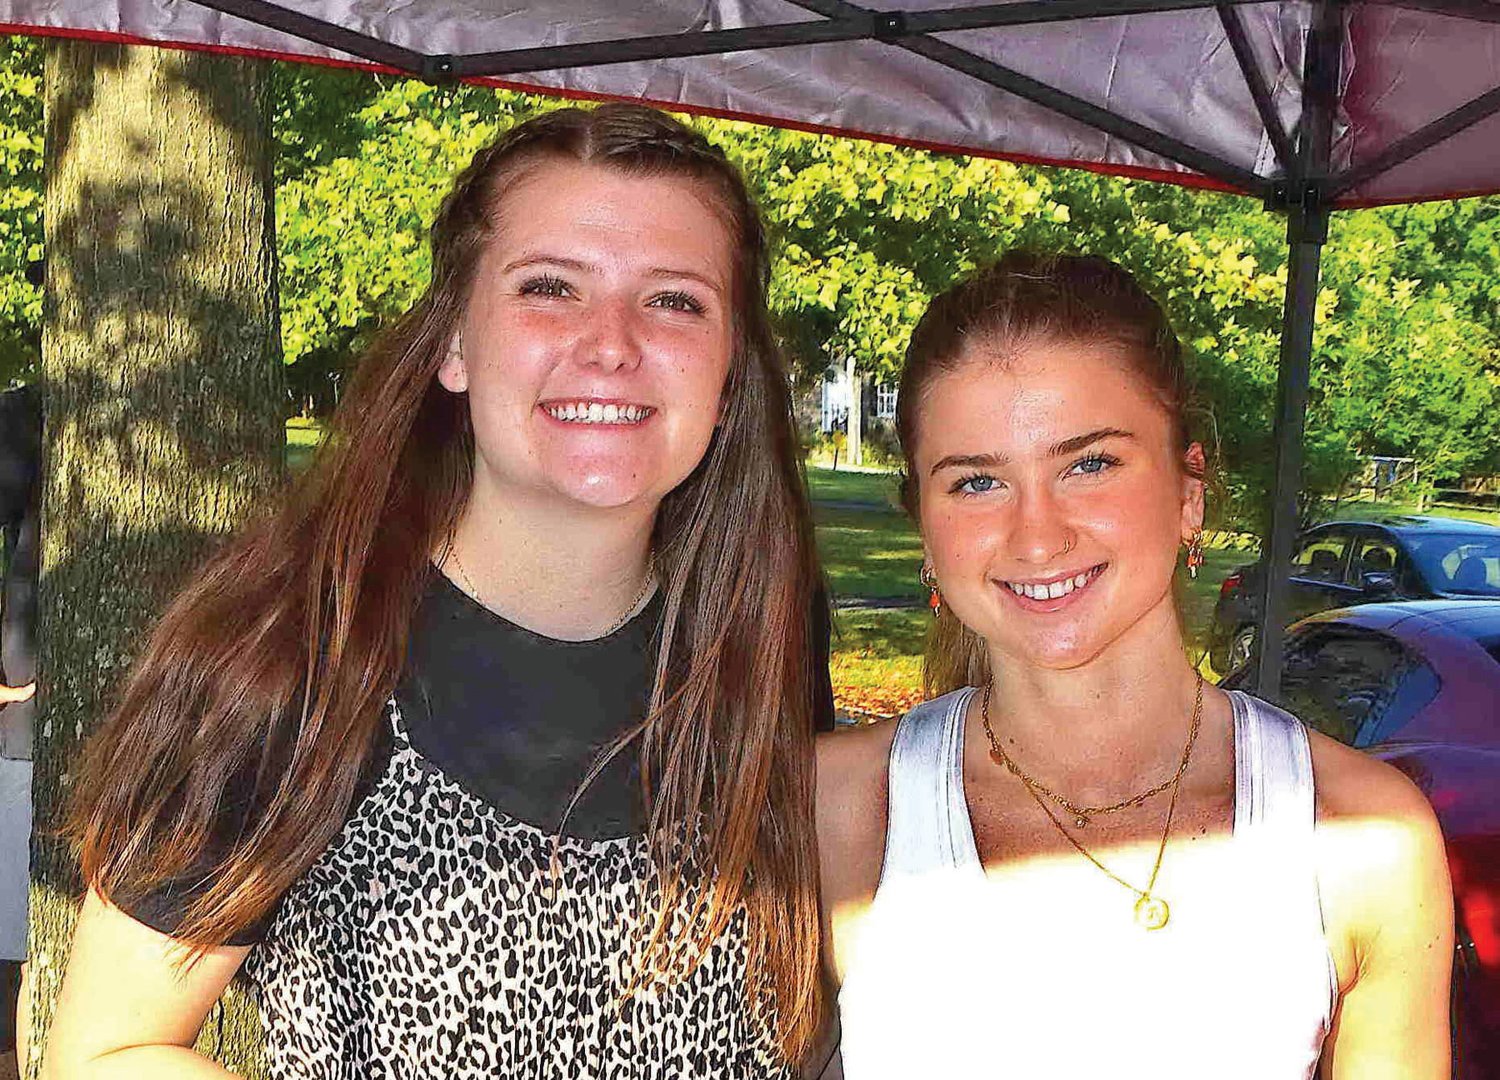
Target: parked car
x,y
1356,562
1417,684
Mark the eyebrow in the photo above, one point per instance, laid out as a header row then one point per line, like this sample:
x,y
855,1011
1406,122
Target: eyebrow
x,y
1078,442
1062,449
579,265
968,461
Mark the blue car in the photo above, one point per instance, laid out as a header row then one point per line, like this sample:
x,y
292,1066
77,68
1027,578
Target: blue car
x,y
1358,562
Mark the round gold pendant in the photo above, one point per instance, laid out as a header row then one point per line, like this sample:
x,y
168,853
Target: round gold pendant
x,y
1152,913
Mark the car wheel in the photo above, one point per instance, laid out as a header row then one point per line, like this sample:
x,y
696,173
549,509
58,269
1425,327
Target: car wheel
x,y
1241,646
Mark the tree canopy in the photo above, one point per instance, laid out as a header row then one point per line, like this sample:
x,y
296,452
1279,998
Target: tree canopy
x,y
1407,352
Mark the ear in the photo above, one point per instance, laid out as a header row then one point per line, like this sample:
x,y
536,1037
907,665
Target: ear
x,y
1194,467
452,374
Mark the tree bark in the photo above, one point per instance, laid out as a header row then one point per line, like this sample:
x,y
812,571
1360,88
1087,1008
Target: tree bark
x,y
163,395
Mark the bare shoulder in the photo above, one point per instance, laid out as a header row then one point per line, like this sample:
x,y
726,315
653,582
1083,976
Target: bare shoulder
x,y
851,810
1381,859
851,775
1354,787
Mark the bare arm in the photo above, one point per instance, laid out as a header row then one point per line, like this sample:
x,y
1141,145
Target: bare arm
x,y
129,1006
1386,872
10,695
851,812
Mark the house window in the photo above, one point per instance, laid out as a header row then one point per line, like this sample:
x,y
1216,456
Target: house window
x,y
885,402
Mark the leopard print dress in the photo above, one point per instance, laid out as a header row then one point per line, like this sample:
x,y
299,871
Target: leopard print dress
x,y
432,939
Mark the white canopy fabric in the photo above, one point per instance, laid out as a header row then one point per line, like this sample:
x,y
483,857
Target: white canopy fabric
x,y
1175,80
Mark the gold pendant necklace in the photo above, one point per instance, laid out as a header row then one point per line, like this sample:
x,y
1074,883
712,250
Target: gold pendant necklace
x,y
1151,911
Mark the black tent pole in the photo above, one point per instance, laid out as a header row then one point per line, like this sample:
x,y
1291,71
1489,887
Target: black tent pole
x,y
1307,206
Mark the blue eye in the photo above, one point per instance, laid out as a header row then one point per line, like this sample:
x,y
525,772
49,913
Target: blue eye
x,y
545,285
1094,464
977,484
678,301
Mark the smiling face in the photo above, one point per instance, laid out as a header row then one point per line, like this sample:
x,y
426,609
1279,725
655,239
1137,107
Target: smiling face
x,y
597,338
1053,501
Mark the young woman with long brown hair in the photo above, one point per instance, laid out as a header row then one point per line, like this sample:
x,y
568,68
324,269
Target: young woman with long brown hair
x,y
1079,860
364,754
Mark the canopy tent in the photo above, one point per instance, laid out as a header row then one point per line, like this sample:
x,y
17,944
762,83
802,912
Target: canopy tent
x,y
1311,106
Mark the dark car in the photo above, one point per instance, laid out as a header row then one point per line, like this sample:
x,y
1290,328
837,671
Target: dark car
x,y
1358,562
1417,684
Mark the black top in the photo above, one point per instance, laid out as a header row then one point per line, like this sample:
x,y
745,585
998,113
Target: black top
x,y
518,718
514,717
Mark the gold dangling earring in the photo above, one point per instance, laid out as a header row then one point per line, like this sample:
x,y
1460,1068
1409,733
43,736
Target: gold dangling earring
x,y
935,599
1195,554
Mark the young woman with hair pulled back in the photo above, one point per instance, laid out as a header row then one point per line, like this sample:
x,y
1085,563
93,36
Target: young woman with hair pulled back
x,y
489,753
1077,860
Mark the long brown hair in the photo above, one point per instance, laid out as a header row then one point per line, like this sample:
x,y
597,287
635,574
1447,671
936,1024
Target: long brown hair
x,y
270,669
1025,299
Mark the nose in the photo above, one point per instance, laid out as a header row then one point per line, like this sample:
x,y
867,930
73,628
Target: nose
x,y
613,340
1041,533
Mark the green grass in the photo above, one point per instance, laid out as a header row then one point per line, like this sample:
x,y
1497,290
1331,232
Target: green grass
x,y
1365,511
841,486
876,665
302,438
869,552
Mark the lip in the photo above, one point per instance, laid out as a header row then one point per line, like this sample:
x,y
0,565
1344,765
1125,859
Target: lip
x,y
1053,604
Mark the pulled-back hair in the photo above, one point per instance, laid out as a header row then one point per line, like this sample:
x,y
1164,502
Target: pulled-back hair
x,y
1024,300
272,667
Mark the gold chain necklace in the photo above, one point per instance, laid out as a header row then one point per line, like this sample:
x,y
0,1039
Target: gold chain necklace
x,y
1082,814
635,605
1151,911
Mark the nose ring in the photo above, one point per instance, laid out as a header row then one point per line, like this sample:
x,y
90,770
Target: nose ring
x,y
1067,545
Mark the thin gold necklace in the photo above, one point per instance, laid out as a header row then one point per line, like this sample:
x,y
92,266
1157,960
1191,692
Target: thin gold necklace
x,y
1082,814
1151,911
630,612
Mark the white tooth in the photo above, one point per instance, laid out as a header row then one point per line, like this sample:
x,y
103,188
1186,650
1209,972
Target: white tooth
x,y
611,413
596,412
1080,581
1032,592
1054,590
632,413
1017,589
566,411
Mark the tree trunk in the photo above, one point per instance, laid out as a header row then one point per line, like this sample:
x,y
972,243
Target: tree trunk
x,y
856,454
163,394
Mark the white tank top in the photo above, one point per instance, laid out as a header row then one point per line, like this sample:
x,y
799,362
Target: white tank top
x,y
956,975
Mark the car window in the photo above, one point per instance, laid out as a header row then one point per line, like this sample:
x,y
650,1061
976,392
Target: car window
x,y
1416,687
1460,564
1372,555
1341,679
1321,557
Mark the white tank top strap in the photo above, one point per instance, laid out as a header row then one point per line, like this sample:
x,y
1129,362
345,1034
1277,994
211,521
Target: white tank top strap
x,y
927,819
1273,776
1275,815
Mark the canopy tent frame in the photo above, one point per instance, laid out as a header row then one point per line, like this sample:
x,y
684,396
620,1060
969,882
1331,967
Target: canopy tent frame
x,y
1304,186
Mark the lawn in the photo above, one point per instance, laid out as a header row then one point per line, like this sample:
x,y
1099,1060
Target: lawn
x,y
1366,511
870,553
302,438
861,487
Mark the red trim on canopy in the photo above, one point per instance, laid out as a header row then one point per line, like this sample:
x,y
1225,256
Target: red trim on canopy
x,y
1129,172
